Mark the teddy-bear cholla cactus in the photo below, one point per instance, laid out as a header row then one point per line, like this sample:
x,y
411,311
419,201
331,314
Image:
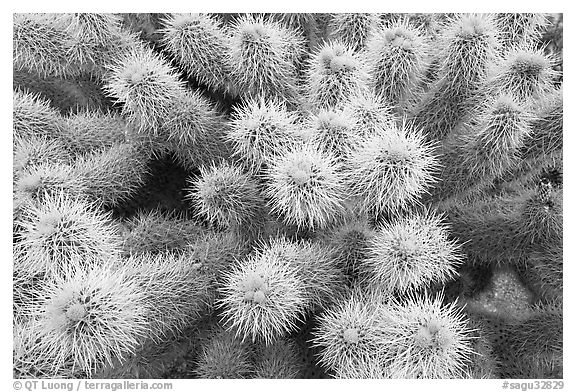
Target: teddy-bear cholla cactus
x,y
397,61
113,175
146,86
333,131
88,131
262,56
486,150
42,46
352,333
410,253
427,339
541,219
520,28
277,361
370,113
228,197
334,74
33,116
260,130
88,318
353,29
263,296
62,230
33,151
200,45
466,49
176,291
225,356
154,232
305,187
391,170
526,73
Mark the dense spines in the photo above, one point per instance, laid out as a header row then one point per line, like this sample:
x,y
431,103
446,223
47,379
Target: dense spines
x,y
305,187
88,131
201,47
36,183
352,334
334,74
228,197
195,130
61,231
262,55
263,296
93,40
391,170
176,291
520,28
541,215
545,139
112,176
466,50
35,151
41,45
544,273
349,244
411,254
397,61
354,29
260,130
146,86
487,149
428,339
333,131
370,113
536,342
89,318
526,73
277,361
33,116
157,232
225,356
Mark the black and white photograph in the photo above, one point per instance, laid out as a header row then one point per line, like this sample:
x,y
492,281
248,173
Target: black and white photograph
x,y
320,195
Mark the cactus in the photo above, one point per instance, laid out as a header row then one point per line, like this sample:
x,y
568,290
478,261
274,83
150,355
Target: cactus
x,y
259,130
287,195
263,296
34,151
88,131
263,54
156,232
352,334
520,28
465,52
334,74
62,230
88,318
224,356
199,44
228,197
333,131
526,73
353,29
305,187
410,254
146,86
113,175
397,61
277,361
391,170
428,339
33,116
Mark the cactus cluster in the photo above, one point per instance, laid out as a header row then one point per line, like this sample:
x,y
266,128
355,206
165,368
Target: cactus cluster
x,y
287,196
